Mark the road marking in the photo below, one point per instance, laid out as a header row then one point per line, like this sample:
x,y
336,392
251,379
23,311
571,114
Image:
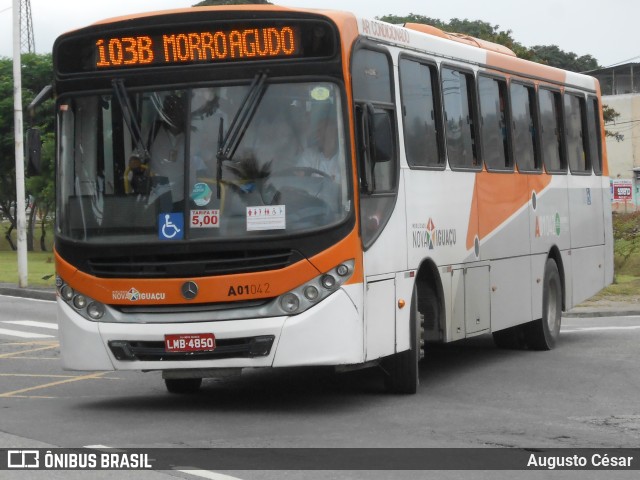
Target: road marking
x,y
28,299
31,323
30,358
18,333
12,354
209,475
53,384
599,329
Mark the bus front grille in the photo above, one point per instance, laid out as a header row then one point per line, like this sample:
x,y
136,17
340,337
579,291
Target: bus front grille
x,y
250,347
191,265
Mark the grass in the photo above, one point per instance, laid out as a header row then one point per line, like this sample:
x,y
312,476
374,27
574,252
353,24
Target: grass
x,y
40,265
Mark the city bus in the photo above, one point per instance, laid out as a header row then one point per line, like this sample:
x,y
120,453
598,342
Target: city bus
x,y
260,186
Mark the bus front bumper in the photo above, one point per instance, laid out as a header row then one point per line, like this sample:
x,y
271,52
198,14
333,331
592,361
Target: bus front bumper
x,y
330,333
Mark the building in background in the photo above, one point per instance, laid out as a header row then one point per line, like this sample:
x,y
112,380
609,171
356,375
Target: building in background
x,y
620,87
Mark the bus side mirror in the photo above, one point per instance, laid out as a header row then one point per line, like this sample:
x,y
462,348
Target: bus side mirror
x,y
34,148
381,135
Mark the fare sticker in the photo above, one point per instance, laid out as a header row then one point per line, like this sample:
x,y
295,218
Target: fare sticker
x,y
205,218
271,217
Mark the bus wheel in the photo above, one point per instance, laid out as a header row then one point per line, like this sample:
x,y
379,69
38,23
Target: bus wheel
x,y
512,338
183,385
401,369
542,334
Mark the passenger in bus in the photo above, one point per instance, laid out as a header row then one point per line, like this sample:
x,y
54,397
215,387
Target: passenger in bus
x,y
136,176
167,140
324,156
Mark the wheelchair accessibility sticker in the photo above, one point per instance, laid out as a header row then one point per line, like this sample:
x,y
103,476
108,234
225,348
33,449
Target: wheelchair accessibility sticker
x,y
171,226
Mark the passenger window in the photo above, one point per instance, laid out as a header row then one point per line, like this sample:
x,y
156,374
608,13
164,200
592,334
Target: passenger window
x,y
418,83
575,121
525,131
493,114
457,92
371,76
551,127
595,140
375,119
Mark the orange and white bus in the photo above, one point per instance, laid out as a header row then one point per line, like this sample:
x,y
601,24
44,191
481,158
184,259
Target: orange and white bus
x,y
270,187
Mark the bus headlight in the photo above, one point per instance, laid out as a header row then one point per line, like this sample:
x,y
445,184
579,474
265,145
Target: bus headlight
x,y
304,297
95,310
85,306
311,293
66,292
328,282
79,301
289,302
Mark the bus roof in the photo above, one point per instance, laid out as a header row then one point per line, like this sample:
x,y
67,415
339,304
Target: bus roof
x,y
411,35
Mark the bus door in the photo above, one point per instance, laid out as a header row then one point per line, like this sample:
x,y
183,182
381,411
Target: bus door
x,y
382,218
585,199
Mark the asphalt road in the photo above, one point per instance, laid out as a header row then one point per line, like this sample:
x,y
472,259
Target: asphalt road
x,y
582,394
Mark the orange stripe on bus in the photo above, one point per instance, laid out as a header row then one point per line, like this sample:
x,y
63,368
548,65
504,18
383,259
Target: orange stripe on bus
x,y
497,197
224,288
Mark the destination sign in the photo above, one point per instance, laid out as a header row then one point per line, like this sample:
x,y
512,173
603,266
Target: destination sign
x,y
131,47
194,47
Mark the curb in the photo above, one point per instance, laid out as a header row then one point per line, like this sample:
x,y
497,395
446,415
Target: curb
x,y
33,293
601,313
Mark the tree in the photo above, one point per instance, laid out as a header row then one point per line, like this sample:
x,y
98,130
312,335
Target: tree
x,y
473,28
610,115
553,56
37,72
42,189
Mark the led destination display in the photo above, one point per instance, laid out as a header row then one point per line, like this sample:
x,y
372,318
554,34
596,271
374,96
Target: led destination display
x,y
201,43
192,47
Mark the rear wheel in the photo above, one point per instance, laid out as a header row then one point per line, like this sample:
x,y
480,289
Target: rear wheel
x,y
542,334
510,338
183,385
401,369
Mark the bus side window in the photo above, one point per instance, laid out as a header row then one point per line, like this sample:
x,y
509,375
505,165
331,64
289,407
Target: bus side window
x,y
460,124
493,111
576,132
420,113
551,127
595,142
525,127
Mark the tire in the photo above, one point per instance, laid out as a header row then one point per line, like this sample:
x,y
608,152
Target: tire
x,y
512,338
542,334
401,369
183,385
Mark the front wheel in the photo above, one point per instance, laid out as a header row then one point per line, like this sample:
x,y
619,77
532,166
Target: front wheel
x,y
183,385
401,369
542,334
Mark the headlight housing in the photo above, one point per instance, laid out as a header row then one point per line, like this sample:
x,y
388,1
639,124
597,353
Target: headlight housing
x,y
314,291
85,306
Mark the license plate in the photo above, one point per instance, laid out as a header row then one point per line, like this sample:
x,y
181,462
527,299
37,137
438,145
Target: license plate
x,y
192,342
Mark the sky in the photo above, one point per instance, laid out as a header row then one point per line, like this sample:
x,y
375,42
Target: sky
x,y
605,29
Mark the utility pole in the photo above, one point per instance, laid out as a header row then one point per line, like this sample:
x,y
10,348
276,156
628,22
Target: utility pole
x,y
21,214
27,40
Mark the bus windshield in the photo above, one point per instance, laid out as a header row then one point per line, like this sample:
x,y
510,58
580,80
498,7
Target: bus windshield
x,y
145,165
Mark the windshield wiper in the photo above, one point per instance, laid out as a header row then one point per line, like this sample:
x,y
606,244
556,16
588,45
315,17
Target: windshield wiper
x,y
228,145
130,119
